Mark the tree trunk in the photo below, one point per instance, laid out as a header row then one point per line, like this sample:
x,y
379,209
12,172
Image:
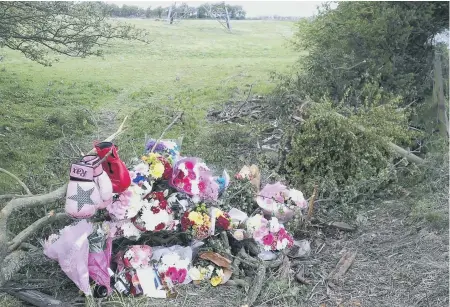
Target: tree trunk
x,y
227,19
438,96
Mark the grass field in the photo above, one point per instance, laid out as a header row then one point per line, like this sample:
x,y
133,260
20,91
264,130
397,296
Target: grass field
x,y
189,66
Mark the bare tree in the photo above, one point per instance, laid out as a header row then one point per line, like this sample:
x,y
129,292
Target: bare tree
x,y
43,29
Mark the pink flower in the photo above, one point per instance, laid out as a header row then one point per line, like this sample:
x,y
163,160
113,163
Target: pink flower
x,y
268,239
172,273
182,273
189,165
260,233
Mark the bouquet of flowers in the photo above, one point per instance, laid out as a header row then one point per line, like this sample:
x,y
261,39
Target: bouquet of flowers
x,y
222,220
193,177
169,149
197,222
271,235
173,269
276,199
155,214
137,256
213,267
214,274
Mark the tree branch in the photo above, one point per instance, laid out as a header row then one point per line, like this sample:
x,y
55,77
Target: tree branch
x,y
165,130
24,186
27,232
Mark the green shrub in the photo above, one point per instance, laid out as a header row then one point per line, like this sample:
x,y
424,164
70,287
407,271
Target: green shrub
x,y
348,165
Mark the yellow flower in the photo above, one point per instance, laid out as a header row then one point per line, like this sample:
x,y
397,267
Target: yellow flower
x,y
218,213
203,272
216,280
196,217
156,169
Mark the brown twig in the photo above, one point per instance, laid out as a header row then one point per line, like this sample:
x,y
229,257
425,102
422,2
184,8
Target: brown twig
x,y
165,130
24,186
311,203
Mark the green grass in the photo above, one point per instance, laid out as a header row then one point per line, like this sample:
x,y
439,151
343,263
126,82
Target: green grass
x,y
189,66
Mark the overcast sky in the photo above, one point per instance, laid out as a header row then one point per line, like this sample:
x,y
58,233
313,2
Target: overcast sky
x,y
253,8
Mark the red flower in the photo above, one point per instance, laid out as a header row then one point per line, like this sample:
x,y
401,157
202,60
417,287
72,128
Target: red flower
x,y
185,221
180,175
189,165
160,226
155,210
163,204
176,181
268,239
223,223
191,175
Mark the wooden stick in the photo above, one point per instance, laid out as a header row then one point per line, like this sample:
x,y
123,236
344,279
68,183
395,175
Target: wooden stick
x,y
24,186
165,130
343,265
112,136
311,203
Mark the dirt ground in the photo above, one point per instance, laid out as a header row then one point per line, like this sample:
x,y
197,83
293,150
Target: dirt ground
x,y
396,265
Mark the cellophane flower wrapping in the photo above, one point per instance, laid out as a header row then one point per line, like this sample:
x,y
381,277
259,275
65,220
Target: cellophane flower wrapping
x,y
71,249
99,259
173,263
197,222
155,214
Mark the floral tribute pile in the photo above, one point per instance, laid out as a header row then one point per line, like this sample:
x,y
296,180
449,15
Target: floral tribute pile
x,y
165,193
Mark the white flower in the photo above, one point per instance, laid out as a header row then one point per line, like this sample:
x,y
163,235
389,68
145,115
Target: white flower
x,y
182,167
142,168
151,220
274,225
254,223
297,197
169,144
130,231
195,274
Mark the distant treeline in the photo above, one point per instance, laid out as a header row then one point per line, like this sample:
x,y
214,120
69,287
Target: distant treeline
x,y
205,11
